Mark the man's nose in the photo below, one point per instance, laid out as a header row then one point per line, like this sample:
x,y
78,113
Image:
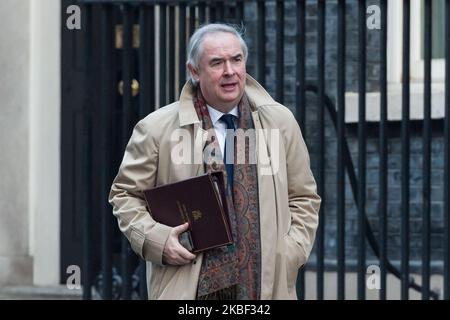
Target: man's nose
x,y
228,68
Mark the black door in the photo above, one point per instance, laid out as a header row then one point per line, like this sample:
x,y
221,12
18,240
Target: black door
x,y
75,110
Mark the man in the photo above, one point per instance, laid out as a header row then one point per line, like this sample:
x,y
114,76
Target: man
x,y
272,200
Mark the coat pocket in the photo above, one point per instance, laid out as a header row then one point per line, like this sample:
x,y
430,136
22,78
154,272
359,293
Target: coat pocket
x,y
292,258
154,284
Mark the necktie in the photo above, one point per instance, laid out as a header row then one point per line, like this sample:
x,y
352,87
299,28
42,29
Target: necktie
x,y
228,119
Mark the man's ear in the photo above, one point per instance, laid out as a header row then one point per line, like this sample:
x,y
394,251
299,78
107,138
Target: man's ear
x,y
193,72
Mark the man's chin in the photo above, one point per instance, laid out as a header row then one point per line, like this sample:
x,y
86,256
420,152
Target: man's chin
x,y
231,96
231,102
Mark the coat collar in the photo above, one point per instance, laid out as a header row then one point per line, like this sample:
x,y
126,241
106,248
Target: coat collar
x,y
187,114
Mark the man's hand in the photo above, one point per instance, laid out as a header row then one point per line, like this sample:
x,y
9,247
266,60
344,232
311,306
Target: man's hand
x,y
174,253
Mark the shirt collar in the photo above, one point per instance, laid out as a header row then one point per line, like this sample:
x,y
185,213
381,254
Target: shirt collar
x,y
216,114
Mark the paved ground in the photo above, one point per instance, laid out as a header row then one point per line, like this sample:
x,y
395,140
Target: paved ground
x,y
38,293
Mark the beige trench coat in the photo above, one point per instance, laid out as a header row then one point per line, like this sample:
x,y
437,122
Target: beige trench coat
x,y
289,203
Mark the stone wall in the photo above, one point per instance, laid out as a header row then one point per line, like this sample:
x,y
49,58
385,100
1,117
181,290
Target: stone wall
x,y
15,262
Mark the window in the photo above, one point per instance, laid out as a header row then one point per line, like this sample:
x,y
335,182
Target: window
x,y
417,37
394,65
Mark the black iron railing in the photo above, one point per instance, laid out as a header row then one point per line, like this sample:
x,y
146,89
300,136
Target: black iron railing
x,y
158,66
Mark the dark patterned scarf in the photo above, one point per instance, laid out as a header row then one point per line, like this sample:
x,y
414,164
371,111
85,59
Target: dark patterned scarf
x,y
234,271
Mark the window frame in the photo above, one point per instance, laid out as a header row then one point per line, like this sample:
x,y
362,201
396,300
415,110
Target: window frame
x,y
394,74
395,45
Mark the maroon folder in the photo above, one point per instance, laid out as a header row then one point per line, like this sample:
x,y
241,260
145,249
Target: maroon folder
x,y
201,202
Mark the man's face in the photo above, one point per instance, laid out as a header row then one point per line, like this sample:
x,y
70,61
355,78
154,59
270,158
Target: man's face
x,y
221,72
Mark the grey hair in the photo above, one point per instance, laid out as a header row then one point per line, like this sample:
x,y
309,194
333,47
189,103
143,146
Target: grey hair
x,y
195,44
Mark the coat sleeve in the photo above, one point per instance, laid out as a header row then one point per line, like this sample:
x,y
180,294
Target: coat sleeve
x,y
304,202
136,173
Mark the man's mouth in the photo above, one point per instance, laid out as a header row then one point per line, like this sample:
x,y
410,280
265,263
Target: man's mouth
x,y
229,86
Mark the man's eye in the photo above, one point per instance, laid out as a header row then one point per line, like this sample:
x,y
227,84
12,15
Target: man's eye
x,y
215,63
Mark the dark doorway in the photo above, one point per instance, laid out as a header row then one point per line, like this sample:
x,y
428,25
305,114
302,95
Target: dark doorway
x,y
76,110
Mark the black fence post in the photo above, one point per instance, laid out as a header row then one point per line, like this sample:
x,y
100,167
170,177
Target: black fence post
x,y
279,86
87,272
162,55
127,17
405,152
320,251
383,139
261,42
426,153
340,150
301,103
106,93
446,195
147,61
361,150
182,46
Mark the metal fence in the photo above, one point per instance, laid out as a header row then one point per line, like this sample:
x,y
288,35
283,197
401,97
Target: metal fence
x,y
146,40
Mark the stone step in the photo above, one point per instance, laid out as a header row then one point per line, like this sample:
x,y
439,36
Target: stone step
x,y
39,293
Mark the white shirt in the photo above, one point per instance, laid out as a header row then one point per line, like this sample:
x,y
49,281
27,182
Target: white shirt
x,y
220,127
